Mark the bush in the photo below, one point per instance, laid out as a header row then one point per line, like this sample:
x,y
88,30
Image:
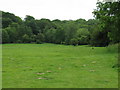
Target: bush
x,y
40,38
38,42
18,41
83,40
99,38
26,38
74,41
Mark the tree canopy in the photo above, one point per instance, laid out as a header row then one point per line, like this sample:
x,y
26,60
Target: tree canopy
x,y
101,31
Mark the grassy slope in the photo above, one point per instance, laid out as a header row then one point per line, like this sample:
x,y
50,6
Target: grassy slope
x,y
70,66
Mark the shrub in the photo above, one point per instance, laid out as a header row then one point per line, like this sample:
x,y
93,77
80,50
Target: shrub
x,y
74,41
38,42
26,38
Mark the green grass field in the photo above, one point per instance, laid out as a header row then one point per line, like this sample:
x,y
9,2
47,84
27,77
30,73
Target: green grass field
x,y
58,66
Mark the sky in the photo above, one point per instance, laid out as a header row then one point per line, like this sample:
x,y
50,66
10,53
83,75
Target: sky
x,y
50,9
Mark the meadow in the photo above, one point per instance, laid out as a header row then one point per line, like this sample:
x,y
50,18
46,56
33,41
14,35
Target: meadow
x,y
58,66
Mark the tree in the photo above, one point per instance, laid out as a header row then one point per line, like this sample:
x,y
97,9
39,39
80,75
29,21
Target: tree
x,y
99,38
5,36
0,36
43,24
59,34
31,22
22,30
70,29
12,34
57,31
50,35
26,39
40,38
9,18
108,14
83,36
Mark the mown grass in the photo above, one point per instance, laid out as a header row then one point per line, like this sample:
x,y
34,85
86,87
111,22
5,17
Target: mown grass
x,y
58,66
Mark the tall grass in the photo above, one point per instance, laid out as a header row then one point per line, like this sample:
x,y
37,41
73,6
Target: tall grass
x,y
113,48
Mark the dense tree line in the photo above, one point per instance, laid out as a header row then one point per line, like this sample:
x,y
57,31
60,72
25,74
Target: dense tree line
x,y
31,30
97,32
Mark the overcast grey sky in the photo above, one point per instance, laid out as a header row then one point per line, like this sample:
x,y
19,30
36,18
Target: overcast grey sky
x,y
50,9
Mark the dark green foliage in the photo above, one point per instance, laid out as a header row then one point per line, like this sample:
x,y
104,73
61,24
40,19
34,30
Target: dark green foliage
x,y
33,38
83,36
40,38
22,30
99,38
43,24
74,41
70,31
9,18
38,31
5,36
50,35
12,34
30,22
59,36
96,32
108,14
26,38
